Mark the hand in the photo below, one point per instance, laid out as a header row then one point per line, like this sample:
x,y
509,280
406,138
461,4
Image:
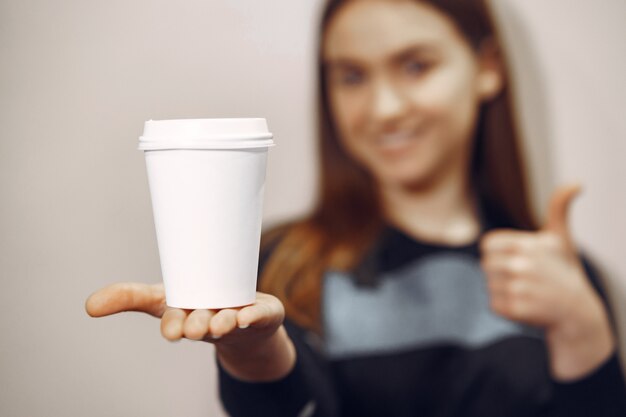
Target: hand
x,y
250,341
537,278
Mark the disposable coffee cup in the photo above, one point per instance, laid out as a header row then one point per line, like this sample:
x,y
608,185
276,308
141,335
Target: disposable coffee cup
x,y
207,179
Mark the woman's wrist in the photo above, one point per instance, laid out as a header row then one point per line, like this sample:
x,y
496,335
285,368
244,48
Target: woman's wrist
x,y
581,343
262,361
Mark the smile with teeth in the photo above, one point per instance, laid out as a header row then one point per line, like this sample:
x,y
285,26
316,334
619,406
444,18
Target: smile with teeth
x,y
396,140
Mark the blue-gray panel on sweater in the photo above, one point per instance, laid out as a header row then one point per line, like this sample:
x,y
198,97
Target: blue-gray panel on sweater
x,y
439,299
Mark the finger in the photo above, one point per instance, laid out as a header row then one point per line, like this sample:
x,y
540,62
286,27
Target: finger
x,y
507,241
260,314
172,323
558,210
127,296
512,308
508,265
497,284
498,303
224,322
196,325
515,299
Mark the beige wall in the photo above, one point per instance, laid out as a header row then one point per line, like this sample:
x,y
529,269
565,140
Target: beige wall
x,y
77,80
570,62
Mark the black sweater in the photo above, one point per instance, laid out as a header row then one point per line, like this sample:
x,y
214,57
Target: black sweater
x,y
410,333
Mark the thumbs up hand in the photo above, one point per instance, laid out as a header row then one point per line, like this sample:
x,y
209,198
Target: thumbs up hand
x,y
537,278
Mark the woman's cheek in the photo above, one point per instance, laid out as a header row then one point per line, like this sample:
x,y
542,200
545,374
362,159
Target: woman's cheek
x,y
348,111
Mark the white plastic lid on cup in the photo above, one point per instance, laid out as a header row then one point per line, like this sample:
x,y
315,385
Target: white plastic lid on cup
x,y
205,134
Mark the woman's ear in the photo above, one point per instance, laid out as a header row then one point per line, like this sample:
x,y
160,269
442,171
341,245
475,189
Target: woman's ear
x,y
490,80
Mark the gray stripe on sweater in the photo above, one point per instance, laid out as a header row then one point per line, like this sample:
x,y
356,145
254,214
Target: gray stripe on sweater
x,y
440,299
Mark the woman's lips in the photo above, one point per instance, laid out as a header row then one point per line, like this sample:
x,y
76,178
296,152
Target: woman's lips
x,y
396,141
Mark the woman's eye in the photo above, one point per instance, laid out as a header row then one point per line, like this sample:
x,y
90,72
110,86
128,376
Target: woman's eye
x,y
415,67
351,77
346,76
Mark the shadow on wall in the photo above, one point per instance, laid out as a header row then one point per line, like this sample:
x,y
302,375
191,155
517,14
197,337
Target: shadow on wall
x,y
536,123
531,100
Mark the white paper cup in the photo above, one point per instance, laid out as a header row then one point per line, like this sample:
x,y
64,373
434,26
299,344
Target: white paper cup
x,y
207,178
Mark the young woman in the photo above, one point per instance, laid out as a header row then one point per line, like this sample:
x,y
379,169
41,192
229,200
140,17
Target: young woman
x,y
420,285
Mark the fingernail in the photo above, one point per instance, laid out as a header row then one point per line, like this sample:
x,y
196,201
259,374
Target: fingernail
x,y
215,337
244,326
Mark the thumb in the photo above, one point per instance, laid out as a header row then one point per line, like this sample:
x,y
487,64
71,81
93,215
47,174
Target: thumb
x,y
558,211
127,296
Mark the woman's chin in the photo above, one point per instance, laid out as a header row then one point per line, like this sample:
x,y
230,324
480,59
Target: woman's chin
x,y
405,179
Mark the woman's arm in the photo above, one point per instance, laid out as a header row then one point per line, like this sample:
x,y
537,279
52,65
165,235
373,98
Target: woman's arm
x,y
265,369
267,360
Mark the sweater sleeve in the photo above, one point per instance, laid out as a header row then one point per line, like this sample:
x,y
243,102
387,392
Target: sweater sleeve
x,y
602,393
305,392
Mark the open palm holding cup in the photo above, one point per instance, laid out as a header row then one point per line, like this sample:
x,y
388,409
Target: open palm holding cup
x,y
224,325
250,341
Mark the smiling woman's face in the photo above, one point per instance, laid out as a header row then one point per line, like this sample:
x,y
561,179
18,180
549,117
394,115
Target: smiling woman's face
x,y
404,89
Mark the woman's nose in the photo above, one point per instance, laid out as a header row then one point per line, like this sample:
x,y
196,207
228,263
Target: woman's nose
x,y
388,101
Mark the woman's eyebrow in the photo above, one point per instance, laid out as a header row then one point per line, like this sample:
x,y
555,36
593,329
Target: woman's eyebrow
x,y
396,56
332,63
413,51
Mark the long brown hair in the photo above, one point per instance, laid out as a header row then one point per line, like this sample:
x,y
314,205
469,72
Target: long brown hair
x,y
348,218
